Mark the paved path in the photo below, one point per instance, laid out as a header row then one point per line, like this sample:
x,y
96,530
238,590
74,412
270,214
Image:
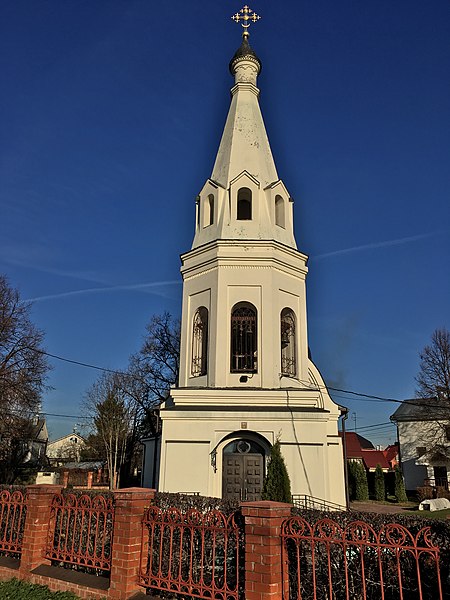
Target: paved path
x,y
382,509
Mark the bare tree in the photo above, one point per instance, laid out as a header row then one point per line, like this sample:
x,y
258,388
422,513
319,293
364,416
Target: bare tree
x,y
434,375
23,373
157,363
151,373
133,398
113,417
154,369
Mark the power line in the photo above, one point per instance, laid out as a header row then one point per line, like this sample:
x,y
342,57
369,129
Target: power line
x,y
81,364
376,425
380,398
361,396
96,367
46,414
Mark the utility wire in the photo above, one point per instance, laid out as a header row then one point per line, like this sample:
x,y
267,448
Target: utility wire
x,y
376,425
361,396
104,369
116,372
81,364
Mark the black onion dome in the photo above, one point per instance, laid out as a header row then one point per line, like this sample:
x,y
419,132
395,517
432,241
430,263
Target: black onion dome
x,y
244,52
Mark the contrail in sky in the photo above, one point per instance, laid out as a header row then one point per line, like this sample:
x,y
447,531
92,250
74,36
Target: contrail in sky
x,y
115,288
397,242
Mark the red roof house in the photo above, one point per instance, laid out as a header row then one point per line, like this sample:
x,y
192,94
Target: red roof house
x,y
361,449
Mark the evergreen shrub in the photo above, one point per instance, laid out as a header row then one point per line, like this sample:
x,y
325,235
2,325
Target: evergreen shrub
x,y
277,485
361,485
400,492
185,502
380,490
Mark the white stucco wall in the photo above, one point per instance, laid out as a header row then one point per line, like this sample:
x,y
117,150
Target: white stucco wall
x,y
415,434
199,422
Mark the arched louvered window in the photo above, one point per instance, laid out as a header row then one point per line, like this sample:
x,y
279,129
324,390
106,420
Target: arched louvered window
x,y
244,205
244,338
200,343
279,211
288,350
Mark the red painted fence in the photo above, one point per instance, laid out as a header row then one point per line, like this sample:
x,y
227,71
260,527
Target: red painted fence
x,y
327,561
193,554
13,509
261,553
80,531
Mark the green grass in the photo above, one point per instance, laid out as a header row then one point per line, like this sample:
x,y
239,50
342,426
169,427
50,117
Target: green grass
x,y
440,515
20,590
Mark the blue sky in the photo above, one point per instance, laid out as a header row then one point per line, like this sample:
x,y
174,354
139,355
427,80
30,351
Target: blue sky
x,y
111,112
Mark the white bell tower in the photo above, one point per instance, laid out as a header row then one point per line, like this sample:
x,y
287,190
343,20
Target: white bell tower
x,y
245,376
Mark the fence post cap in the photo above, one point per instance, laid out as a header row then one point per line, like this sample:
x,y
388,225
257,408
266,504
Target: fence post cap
x,y
267,504
44,487
134,492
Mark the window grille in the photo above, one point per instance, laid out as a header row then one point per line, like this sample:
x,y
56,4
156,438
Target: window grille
x,y
244,339
200,342
288,350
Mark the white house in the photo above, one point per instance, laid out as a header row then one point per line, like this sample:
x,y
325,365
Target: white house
x,y
66,448
246,379
423,427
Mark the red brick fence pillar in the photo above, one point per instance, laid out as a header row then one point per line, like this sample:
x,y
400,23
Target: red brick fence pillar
x,y
264,569
36,527
130,506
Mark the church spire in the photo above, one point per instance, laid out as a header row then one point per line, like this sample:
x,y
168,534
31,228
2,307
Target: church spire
x,y
244,198
244,143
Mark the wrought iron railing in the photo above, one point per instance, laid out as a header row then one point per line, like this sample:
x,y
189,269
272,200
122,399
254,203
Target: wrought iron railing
x,y
194,554
357,562
80,532
13,510
312,503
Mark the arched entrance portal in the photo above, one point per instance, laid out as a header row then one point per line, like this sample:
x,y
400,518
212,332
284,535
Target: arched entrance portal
x,y
243,470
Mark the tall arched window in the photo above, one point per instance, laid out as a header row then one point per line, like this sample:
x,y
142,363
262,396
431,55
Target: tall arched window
x,y
244,205
244,342
279,211
211,209
288,350
200,343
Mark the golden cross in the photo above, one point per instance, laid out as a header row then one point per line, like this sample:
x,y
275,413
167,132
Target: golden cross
x,y
246,15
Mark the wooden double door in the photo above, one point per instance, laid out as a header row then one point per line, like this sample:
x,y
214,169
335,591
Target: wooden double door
x,y
242,477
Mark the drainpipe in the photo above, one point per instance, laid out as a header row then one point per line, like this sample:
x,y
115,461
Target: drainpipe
x,y
344,415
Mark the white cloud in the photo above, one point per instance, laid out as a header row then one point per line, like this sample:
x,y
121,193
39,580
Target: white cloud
x,y
375,245
116,288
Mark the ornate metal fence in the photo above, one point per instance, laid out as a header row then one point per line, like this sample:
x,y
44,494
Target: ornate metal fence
x,y
13,509
194,554
80,532
328,562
